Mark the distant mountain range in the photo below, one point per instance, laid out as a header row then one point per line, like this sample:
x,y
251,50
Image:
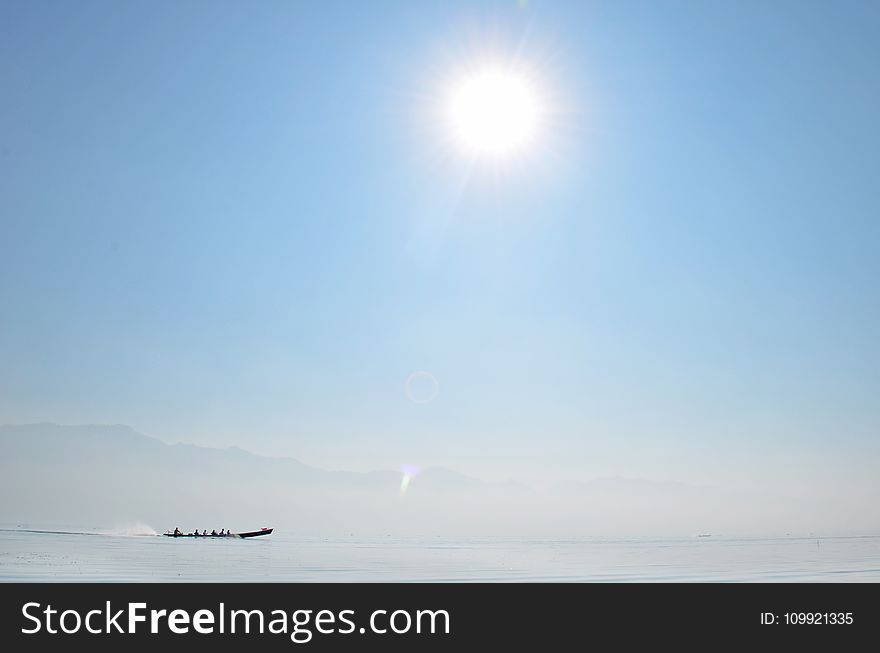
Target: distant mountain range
x,y
101,473
100,476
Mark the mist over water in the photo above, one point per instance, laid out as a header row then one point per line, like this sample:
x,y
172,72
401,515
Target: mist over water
x,y
116,481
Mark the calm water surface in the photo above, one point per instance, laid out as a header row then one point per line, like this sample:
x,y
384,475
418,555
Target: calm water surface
x,y
53,556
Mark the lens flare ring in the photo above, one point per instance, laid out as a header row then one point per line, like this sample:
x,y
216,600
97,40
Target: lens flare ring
x,y
421,387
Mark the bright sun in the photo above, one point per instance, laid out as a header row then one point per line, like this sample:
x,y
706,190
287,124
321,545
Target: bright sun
x,y
494,113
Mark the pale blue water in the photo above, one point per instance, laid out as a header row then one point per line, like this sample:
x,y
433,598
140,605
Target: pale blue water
x,y
44,557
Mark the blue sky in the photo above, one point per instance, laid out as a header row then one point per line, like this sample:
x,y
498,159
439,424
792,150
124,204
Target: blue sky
x,y
230,224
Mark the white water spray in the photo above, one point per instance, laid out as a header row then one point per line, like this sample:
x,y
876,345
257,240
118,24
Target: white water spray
x,y
133,529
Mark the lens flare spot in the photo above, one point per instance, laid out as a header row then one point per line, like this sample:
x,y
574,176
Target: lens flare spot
x,y
408,472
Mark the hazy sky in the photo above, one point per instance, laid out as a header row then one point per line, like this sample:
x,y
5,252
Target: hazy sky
x,y
241,223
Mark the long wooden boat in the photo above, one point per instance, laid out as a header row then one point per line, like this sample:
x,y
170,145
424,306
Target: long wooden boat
x,y
262,531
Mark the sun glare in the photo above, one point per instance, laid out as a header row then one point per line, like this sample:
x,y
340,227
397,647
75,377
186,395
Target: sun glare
x,y
494,113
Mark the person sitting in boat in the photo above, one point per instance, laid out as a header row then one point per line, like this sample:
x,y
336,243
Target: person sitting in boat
x,y
214,532
204,532
177,532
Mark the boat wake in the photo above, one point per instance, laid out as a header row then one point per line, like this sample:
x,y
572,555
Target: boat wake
x,y
47,532
132,530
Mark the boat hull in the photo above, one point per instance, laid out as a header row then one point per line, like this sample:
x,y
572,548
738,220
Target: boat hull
x,y
263,531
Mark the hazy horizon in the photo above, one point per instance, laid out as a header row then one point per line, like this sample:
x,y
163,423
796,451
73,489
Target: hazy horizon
x,y
112,477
